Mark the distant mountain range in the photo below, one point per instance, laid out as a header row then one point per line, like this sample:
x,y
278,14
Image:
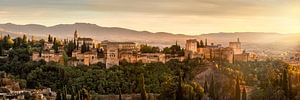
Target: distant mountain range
x,y
100,33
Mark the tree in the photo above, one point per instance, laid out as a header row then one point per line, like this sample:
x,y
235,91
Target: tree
x,y
84,47
201,44
69,48
244,94
205,87
286,83
64,94
237,90
24,39
58,96
211,92
55,47
179,93
50,38
1,49
7,42
149,49
142,87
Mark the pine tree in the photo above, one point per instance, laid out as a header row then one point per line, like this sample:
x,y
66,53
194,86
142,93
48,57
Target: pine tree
x,y
237,90
244,94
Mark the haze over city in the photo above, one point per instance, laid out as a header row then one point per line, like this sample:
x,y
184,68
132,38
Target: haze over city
x,y
191,17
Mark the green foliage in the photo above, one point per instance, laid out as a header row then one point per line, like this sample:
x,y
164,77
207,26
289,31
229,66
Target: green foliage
x,y
142,87
85,47
56,45
212,88
271,79
200,44
172,80
20,54
174,50
69,48
244,94
237,89
50,38
205,87
7,42
149,49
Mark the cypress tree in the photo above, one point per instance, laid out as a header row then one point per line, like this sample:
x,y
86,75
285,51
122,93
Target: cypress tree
x,y
179,88
64,94
1,49
120,94
58,96
244,94
212,88
49,38
201,43
205,87
24,39
73,94
237,90
143,90
83,48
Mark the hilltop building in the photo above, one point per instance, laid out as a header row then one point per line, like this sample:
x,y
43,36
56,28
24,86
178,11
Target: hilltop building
x,y
191,46
236,46
81,40
217,52
86,58
111,55
48,56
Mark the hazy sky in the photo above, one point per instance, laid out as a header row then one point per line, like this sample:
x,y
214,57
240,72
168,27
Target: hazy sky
x,y
177,16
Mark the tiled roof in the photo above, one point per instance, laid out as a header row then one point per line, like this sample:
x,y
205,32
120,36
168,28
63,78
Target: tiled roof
x,y
85,39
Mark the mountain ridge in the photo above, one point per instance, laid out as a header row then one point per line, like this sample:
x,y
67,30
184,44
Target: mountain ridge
x,y
101,33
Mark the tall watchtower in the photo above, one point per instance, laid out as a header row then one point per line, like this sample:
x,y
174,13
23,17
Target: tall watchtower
x,y
236,46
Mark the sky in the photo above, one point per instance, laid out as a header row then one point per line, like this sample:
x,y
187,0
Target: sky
x,y
190,17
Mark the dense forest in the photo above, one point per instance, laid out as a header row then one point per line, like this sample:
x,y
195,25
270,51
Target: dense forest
x,y
259,80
